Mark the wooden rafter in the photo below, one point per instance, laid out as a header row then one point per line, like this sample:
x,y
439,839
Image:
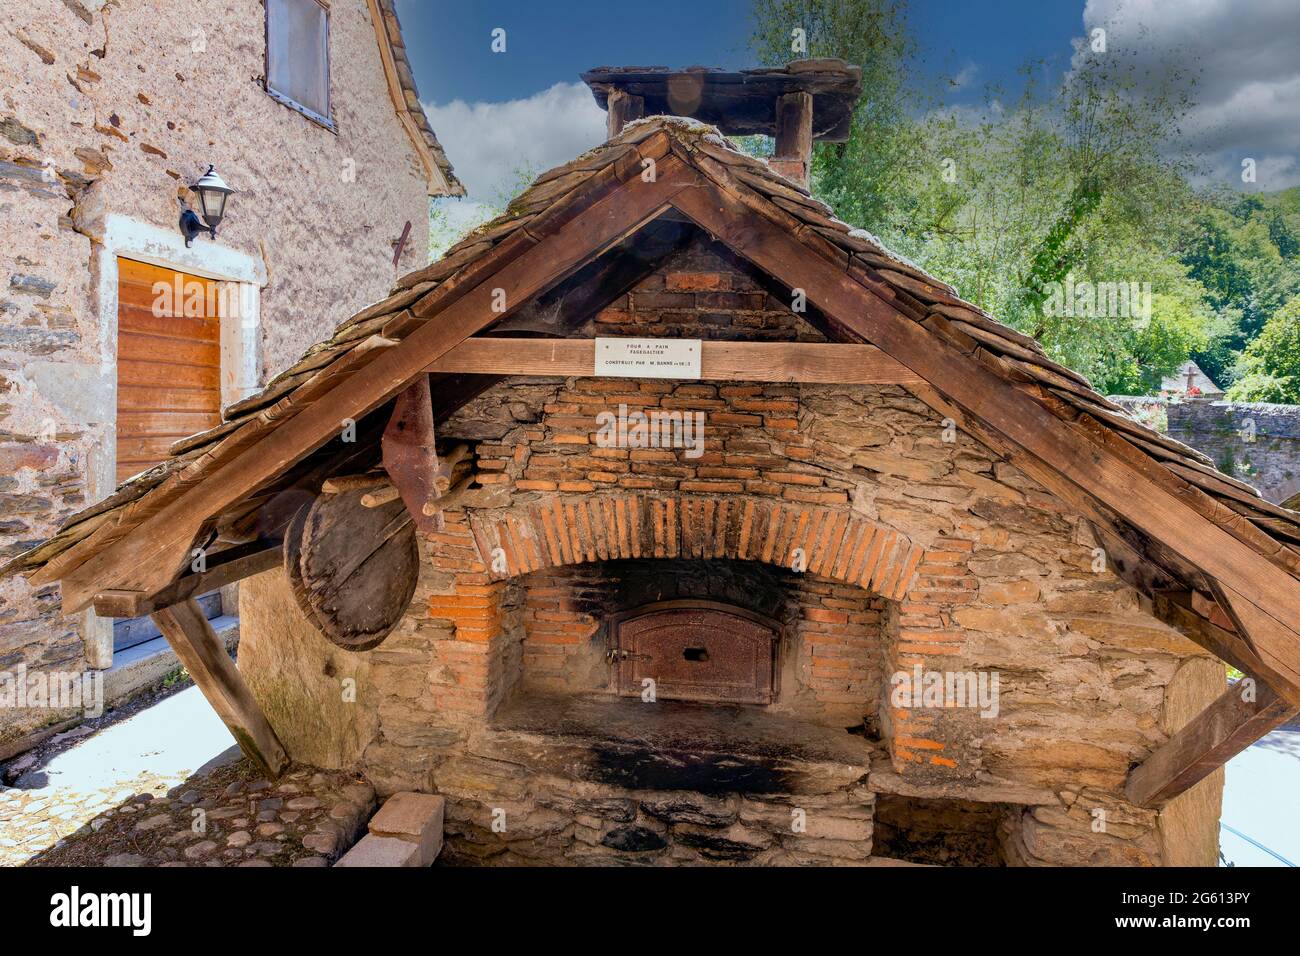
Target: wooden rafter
x,y
1228,726
840,364
228,567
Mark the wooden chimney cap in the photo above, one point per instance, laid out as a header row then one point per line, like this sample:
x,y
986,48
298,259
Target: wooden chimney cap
x,y
738,103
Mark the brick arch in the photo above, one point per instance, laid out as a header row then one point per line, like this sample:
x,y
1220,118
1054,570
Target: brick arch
x,y
559,530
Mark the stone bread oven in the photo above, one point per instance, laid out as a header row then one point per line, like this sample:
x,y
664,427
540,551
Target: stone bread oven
x,y
877,582
831,537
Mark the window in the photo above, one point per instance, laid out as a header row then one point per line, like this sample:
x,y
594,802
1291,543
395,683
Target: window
x,y
298,56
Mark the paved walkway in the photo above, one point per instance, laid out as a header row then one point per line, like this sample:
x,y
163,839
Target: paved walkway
x,y
158,749
149,752
127,796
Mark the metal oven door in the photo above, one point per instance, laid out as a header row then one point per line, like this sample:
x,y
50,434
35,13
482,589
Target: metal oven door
x,y
696,651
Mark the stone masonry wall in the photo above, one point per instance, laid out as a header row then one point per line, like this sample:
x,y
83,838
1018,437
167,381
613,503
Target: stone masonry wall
x,y
979,570
115,108
1257,442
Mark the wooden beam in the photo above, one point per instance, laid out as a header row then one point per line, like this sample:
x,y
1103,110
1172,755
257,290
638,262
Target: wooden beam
x,y
834,363
794,136
204,656
623,108
148,558
241,562
867,315
1178,611
1211,738
409,455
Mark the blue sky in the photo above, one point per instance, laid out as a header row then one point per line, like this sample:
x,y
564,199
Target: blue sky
x,y
501,116
551,42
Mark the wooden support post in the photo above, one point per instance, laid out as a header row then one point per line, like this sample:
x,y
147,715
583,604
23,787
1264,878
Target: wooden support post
x,y
1207,741
409,456
623,108
204,656
794,136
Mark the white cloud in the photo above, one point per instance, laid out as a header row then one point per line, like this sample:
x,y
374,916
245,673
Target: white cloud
x,y
491,144
1248,89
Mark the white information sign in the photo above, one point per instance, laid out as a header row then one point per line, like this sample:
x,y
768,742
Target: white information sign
x,y
648,358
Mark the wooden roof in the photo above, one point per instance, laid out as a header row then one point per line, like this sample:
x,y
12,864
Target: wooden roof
x,y
406,100
740,103
1170,520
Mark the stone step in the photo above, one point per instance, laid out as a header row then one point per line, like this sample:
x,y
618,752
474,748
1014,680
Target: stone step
x,y
407,831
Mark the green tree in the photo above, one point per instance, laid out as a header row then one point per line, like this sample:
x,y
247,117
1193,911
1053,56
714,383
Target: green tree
x,y
1271,364
859,177
1068,183
446,228
1243,250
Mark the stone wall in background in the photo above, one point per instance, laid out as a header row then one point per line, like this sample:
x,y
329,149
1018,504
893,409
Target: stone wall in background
x,y
1257,442
114,109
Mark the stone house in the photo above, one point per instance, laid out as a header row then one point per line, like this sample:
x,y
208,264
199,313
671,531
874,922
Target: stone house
x,y
667,519
109,112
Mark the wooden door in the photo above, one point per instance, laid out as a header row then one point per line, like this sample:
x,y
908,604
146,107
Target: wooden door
x,y
168,361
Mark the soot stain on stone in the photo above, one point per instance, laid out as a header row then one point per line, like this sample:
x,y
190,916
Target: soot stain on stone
x,y
633,839
644,769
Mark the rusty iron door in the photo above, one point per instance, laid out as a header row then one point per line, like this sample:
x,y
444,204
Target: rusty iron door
x,y
696,651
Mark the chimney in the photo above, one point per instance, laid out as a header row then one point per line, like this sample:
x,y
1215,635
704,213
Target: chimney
x,y
803,102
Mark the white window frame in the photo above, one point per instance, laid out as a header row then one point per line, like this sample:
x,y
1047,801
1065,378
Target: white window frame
x,y
241,348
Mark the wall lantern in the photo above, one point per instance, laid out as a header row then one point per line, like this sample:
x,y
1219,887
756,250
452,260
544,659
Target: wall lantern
x,y
212,192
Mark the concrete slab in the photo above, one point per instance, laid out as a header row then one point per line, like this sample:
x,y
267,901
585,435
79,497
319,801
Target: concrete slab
x,y
416,818
372,851
1259,802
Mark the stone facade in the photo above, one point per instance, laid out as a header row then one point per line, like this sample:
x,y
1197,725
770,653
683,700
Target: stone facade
x,y
893,542
108,111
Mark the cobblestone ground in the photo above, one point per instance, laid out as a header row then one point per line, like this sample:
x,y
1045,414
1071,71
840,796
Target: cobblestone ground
x,y
224,816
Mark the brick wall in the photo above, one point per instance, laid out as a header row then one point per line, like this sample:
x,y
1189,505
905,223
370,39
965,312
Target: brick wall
x,y
703,291
831,658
